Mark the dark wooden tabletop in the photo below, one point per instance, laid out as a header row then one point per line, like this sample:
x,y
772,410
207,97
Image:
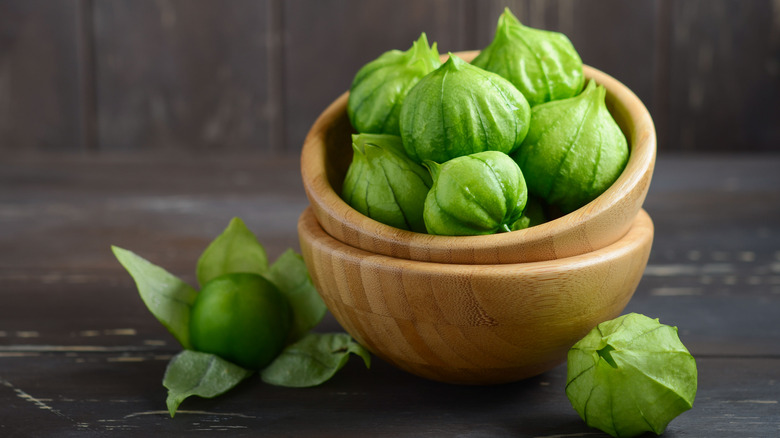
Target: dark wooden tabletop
x,y
80,355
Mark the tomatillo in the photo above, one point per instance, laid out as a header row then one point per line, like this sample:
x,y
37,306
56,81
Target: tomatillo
x,y
242,318
475,194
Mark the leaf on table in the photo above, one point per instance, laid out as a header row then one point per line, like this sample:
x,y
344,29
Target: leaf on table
x,y
313,360
290,276
202,374
165,295
235,250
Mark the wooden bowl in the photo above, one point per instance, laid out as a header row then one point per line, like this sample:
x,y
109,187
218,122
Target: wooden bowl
x,y
327,153
473,324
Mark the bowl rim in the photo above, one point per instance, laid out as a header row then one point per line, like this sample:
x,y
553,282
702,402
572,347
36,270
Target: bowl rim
x,y
351,227
640,233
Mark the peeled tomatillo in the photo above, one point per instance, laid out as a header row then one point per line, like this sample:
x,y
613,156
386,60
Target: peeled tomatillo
x,y
242,318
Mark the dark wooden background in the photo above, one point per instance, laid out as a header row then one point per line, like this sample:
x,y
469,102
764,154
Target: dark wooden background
x,y
207,76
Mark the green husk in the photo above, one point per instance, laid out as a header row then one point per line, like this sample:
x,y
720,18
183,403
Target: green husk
x,y
574,150
380,87
482,193
459,110
542,64
384,184
631,375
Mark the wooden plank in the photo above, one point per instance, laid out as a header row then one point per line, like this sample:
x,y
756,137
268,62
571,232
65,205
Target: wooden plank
x,y
725,80
182,75
328,41
121,391
40,85
90,204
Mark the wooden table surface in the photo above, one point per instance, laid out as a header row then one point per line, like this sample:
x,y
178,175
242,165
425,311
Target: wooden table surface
x,y
80,355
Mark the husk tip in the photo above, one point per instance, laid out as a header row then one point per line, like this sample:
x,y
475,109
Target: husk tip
x,y
454,60
420,44
507,17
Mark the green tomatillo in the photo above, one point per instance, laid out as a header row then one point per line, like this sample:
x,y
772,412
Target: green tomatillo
x,y
379,88
242,318
543,65
384,184
631,375
574,150
460,109
481,193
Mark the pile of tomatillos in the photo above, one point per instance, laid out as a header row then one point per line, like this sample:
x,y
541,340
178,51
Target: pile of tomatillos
x,y
495,145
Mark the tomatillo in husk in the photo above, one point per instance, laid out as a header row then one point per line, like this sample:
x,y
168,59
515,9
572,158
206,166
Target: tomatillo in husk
x,y
459,109
481,193
574,150
242,318
384,184
542,64
380,87
631,375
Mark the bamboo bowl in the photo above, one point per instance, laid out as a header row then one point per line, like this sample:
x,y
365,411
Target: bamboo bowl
x,y
476,309
327,153
473,324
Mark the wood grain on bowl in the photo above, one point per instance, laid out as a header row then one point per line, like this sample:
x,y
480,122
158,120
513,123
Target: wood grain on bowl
x,y
327,153
473,324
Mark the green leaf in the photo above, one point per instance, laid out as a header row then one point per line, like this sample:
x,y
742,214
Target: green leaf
x,y
166,296
202,374
290,276
313,360
235,250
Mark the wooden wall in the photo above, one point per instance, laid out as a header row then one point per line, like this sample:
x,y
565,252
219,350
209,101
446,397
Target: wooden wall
x,y
201,76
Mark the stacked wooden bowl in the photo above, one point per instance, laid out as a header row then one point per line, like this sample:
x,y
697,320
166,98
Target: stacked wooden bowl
x,y
476,309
